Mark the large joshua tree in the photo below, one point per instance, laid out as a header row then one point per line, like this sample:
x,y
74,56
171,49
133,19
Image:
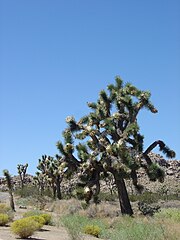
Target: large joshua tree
x,y
110,140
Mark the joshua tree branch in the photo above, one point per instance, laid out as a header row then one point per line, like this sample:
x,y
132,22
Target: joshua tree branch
x,y
153,145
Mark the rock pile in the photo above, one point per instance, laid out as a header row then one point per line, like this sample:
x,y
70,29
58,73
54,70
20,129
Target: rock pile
x,y
16,182
171,167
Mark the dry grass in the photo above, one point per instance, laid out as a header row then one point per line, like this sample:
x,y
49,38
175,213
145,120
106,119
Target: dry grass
x,y
103,210
64,207
74,206
172,229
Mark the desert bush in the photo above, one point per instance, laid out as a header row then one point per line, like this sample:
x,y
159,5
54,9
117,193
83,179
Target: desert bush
x,y
26,191
106,196
79,193
47,217
93,230
169,197
4,219
24,227
92,211
150,197
36,213
32,213
71,206
39,219
32,198
147,197
6,210
102,210
84,205
36,216
147,209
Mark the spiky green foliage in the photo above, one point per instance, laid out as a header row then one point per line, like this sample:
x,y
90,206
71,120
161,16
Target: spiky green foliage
x,y
60,147
68,136
155,172
92,105
8,178
72,123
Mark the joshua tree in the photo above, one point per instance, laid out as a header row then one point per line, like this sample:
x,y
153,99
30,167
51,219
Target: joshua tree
x,y
40,181
10,187
22,173
50,169
111,141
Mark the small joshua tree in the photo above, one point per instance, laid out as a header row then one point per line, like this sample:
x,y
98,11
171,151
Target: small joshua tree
x,y
110,141
49,168
40,180
10,187
22,173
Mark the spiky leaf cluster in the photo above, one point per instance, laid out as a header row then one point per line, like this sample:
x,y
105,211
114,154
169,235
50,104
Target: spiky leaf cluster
x,y
109,136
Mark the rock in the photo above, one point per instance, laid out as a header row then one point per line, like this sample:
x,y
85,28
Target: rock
x,y
170,172
22,207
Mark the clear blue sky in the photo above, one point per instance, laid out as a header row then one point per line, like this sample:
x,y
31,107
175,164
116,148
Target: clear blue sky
x,y
57,55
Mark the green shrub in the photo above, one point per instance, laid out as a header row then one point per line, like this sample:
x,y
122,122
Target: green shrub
x,y
79,193
4,219
28,190
150,197
39,219
47,217
32,213
147,209
147,197
92,230
6,210
106,196
24,227
84,205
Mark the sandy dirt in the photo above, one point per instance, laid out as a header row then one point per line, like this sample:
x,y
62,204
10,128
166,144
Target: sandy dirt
x,y
46,233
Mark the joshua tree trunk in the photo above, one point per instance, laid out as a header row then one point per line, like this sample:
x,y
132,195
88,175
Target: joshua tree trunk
x,y
58,187
96,193
124,201
11,201
9,184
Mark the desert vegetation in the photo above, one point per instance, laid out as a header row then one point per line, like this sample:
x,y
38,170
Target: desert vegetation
x,y
105,146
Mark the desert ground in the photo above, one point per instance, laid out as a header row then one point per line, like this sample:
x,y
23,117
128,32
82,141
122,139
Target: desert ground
x,y
46,233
